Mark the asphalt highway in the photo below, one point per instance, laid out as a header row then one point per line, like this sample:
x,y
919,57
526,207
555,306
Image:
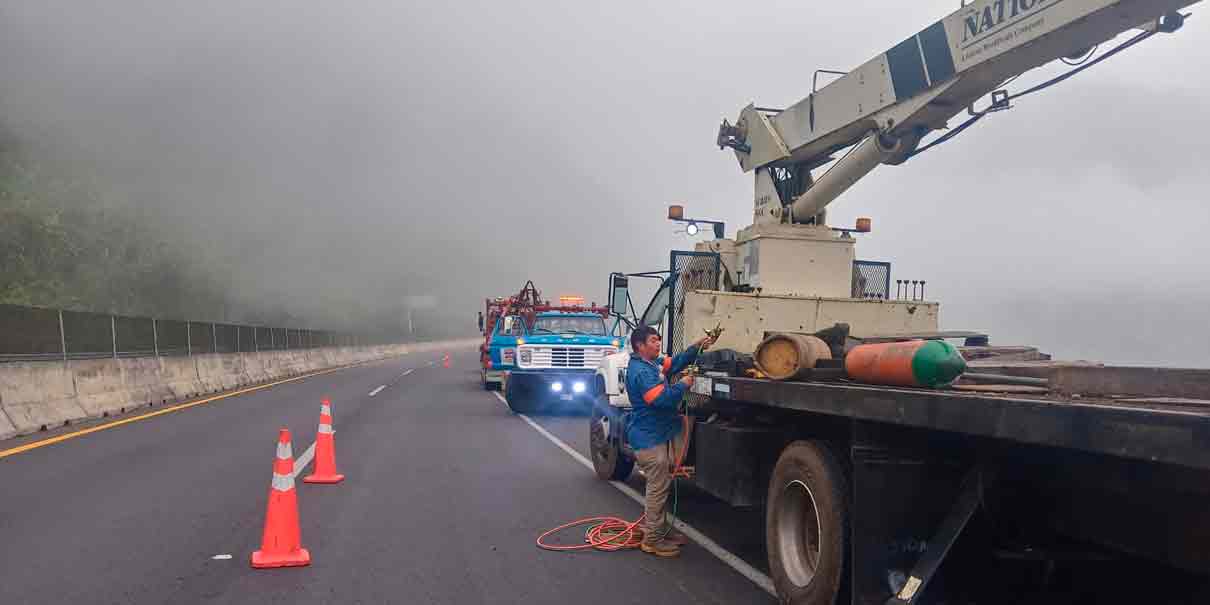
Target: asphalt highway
x,y
446,491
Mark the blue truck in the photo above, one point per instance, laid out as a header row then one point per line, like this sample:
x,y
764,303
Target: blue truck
x,y
499,351
556,360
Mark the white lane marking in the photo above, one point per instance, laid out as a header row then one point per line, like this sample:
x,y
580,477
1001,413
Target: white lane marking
x,y
724,555
300,463
221,557
406,372
377,390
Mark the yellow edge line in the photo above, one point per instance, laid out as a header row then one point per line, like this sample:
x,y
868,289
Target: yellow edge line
x,y
176,408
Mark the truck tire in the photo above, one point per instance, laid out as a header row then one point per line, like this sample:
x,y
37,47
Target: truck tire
x,y
610,463
806,524
520,398
490,386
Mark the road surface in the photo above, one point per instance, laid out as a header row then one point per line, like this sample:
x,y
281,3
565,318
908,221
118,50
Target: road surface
x,y
445,492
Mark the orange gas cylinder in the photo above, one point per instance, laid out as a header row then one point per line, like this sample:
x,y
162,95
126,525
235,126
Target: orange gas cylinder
x,y
915,363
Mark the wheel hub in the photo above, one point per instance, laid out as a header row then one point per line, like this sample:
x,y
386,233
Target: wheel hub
x,y
798,529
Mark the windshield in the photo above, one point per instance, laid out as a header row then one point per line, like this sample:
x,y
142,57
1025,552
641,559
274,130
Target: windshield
x,y
511,326
570,325
654,316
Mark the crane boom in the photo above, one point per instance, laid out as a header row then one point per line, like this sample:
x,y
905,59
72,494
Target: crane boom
x,y
885,106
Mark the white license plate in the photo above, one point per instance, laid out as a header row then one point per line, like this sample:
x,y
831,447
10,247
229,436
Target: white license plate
x,y
565,397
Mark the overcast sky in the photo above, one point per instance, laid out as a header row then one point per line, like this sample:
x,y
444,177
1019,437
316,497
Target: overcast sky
x,y
461,148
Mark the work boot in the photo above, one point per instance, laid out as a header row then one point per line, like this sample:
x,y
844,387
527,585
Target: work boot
x,y
663,548
672,536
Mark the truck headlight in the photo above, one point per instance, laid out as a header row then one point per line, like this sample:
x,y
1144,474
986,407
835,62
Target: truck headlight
x,y
507,356
526,356
578,387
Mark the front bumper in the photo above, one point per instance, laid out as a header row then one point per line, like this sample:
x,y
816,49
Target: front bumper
x,y
558,385
494,375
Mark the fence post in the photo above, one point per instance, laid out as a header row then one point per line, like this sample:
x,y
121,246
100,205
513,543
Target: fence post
x,y
62,336
287,333
237,339
188,338
113,334
255,339
155,337
213,337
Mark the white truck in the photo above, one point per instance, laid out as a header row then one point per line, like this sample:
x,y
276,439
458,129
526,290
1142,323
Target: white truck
x,y
1056,483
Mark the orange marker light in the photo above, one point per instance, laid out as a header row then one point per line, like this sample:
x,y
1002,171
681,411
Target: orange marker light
x,y
863,225
676,212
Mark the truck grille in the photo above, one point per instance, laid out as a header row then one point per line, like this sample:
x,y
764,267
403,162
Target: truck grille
x,y
565,357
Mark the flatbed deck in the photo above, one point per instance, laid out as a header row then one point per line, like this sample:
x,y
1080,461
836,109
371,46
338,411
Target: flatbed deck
x,y
1163,430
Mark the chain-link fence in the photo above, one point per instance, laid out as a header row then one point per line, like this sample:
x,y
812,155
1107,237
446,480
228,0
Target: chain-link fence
x,y
38,334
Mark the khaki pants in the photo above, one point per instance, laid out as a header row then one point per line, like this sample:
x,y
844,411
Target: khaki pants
x,y
656,463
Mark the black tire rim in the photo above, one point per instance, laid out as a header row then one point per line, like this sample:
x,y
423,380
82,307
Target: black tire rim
x,y
798,539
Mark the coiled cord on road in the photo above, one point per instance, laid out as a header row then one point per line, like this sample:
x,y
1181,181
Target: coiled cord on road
x,y
609,533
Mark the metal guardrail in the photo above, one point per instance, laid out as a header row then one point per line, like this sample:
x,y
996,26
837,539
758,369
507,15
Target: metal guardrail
x,y
42,334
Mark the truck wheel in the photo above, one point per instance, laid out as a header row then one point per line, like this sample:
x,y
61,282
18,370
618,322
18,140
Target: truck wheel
x,y
520,399
490,386
806,524
607,457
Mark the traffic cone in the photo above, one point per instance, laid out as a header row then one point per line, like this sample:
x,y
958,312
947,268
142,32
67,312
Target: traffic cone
x,y
325,449
281,544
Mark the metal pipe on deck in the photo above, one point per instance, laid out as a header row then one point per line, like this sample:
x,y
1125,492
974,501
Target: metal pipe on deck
x,y
1005,379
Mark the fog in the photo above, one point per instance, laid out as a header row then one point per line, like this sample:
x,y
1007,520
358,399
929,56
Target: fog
x,y
344,156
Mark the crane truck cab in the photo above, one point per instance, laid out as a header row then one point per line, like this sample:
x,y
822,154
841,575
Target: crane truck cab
x,y
556,360
500,352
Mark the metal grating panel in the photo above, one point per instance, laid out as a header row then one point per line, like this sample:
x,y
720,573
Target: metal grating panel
x,y
871,279
692,271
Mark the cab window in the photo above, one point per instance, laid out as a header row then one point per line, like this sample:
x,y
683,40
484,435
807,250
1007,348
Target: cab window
x,y
511,326
654,315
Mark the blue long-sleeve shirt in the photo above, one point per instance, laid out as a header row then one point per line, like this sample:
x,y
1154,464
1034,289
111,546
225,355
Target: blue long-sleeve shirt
x,y
654,419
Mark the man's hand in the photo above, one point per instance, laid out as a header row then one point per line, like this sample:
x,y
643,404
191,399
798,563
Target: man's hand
x,y
704,343
687,380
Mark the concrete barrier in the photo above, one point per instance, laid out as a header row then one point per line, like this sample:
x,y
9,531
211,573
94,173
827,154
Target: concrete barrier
x,y
6,426
42,395
179,377
112,386
143,380
38,395
220,371
254,367
99,388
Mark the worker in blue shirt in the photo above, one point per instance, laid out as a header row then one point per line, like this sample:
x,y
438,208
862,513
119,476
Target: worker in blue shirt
x,y
655,429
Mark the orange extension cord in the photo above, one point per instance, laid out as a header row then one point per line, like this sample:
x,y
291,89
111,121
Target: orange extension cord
x,y
612,533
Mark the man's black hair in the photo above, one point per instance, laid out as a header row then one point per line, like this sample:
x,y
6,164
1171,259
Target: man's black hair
x,y
639,336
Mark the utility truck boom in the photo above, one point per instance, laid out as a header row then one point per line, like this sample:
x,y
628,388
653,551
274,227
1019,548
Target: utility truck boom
x,y
889,104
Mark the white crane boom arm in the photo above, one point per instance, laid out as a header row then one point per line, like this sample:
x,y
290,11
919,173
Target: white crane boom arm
x,y
919,84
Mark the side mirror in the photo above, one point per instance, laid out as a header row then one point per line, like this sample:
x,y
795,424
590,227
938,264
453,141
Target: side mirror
x,y
481,321
619,294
